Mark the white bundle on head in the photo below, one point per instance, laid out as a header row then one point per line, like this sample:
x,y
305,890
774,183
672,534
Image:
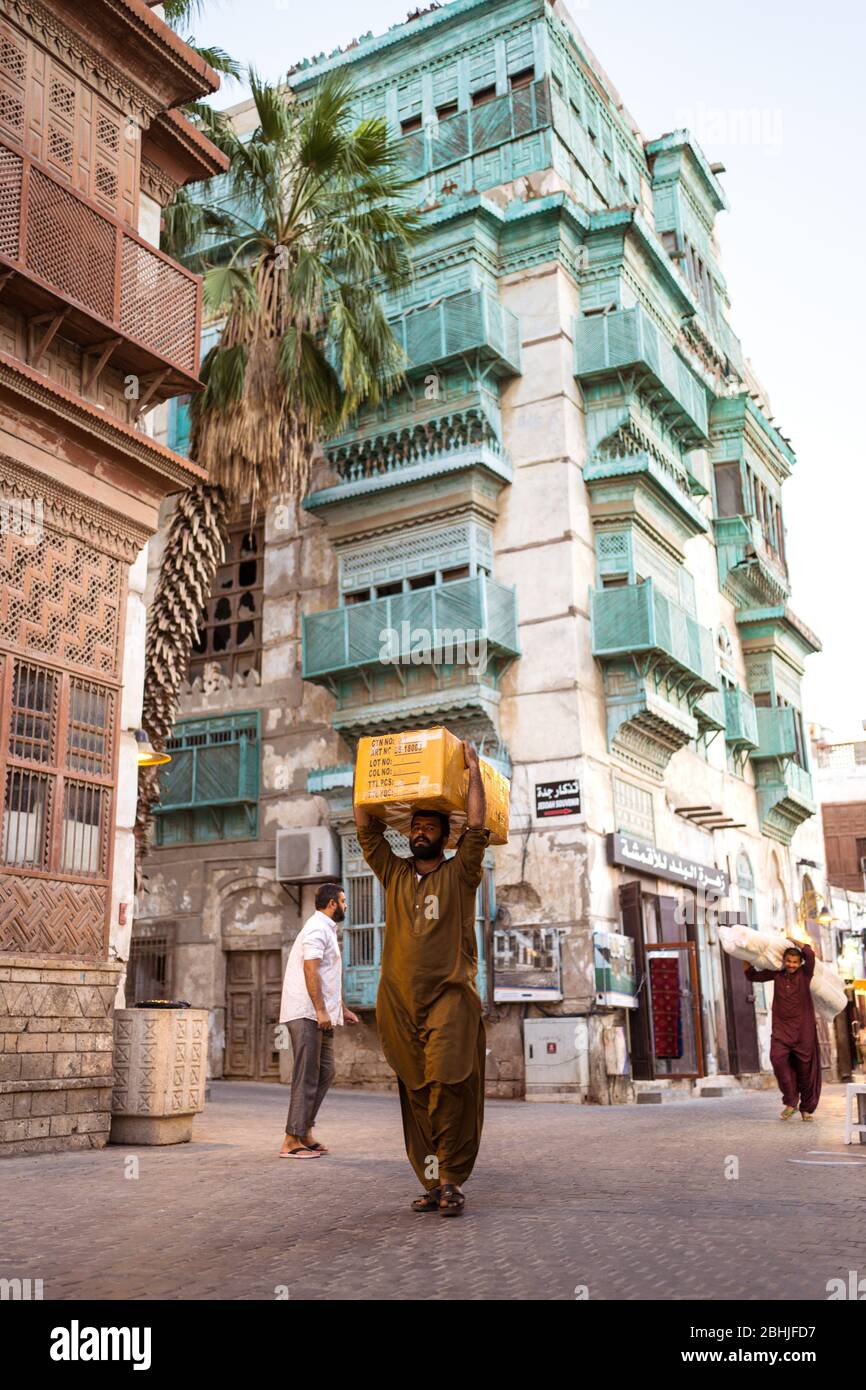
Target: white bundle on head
x,y
766,951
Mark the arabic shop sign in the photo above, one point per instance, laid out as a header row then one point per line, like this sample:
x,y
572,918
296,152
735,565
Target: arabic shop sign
x,y
648,859
557,799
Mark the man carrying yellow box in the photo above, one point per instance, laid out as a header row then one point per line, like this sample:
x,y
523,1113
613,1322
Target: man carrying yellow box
x,y
428,1009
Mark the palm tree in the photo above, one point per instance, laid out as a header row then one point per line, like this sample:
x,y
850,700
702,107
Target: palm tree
x,y
322,228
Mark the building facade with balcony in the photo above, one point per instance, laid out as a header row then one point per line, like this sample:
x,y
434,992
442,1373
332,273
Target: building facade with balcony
x,y
97,326
562,538
840,782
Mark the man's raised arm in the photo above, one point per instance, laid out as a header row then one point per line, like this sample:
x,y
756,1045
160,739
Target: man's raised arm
x,y
474,841
371,838
476,801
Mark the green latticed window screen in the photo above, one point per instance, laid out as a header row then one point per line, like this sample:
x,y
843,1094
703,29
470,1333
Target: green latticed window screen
x,y
209,790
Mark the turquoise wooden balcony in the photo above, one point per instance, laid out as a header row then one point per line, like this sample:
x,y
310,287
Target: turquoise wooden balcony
x,y
777,737
473,323
710,711
784,788
345,640
785,798
640,622
467,133
741,723
626,340
750,572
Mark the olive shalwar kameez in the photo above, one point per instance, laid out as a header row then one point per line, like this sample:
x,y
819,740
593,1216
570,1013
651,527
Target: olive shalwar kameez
x,y
428,1010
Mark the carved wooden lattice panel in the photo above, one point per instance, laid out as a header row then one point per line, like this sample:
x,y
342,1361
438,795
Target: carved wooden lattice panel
x,y
61,599
11,175
60,613
13,72
158,304
71,246
42,916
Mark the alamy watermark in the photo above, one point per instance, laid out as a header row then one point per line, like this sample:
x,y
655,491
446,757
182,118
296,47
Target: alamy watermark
x,y
22,517
20,1290
760,127
408,645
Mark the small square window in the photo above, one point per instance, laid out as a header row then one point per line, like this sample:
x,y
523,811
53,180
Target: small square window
x,y
411,124
483,95
524,78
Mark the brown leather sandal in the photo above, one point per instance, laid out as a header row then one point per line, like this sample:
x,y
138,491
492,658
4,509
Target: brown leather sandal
x,y
428,1201
451,1200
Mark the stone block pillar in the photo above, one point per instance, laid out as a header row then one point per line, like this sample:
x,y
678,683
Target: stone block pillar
x,y
160,1072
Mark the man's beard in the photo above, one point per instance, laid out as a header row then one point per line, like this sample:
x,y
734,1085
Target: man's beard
x,y
339,914
431,850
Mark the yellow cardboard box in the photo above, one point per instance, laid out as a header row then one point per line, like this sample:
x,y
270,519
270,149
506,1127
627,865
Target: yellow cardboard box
x,y
397,774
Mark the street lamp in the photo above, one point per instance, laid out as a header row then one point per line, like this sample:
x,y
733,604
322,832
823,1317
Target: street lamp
x,y
147,754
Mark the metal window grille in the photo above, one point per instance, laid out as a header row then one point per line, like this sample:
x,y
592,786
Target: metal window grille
x,y
150,972
209,791
58,725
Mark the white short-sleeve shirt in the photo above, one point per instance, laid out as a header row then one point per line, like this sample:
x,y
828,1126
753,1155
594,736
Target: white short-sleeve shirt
x,y
317,940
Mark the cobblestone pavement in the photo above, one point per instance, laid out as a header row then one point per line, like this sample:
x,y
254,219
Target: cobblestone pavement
x,y
632,1202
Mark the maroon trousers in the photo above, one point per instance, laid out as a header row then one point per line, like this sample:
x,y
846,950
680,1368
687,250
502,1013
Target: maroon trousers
x,y
798,1072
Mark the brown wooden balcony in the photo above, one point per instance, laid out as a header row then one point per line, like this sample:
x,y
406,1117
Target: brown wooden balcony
x,y
71,268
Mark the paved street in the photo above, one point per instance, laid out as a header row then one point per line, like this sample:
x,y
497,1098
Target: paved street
x,y
632,1202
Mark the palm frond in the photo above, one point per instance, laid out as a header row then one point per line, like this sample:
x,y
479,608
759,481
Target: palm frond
x,y
218,59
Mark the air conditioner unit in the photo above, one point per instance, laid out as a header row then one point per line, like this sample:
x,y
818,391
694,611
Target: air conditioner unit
x,y
310,855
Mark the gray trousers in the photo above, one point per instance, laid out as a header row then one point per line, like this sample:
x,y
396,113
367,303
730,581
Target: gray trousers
x,y
313,1070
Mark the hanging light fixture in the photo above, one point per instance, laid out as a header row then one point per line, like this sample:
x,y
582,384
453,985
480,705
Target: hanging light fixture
x,y
147,754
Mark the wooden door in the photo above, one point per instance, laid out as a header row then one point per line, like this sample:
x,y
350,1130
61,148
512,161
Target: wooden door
x,y
742,1024
253,990
631,910
743,1048
684,982
270,994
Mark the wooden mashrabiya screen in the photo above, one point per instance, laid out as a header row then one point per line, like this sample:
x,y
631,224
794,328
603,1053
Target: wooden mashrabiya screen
x,y
62,601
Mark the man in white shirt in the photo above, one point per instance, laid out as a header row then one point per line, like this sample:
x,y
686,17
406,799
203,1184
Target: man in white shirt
x,y
311,1007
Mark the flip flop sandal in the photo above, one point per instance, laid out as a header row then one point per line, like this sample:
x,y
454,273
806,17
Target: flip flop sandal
x,y
300,1152
428,1201
451,1201
319,1148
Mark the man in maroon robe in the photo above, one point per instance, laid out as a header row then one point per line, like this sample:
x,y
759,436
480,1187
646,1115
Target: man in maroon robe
x,y
794,1050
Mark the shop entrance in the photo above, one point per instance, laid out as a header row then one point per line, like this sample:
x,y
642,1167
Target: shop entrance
x,y
254,981
675,1010
666,1029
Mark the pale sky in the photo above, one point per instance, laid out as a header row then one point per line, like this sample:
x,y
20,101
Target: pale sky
x,y
774,89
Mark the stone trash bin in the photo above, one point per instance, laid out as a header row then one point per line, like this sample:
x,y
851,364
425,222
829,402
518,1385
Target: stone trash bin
x,y
160,1073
